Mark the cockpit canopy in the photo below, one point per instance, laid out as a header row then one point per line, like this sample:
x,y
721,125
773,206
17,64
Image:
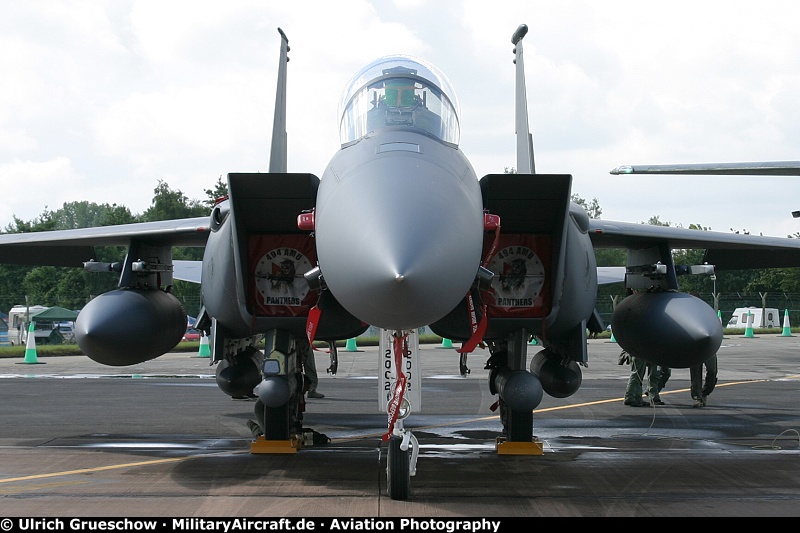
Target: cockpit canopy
x,y
399,91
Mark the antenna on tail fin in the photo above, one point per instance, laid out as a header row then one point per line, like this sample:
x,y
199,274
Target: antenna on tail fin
x,y
525,163
278,153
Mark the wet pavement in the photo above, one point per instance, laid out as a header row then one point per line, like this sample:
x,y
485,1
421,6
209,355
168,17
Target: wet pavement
x,y
160,439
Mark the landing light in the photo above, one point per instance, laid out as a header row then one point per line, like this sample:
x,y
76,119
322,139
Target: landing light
x,y
626,169
404,410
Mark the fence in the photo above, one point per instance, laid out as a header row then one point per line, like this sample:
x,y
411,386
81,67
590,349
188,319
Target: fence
x,y
727,304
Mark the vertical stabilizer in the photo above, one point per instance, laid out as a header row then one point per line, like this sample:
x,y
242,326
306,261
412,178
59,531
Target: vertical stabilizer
x,y
525,163
277,156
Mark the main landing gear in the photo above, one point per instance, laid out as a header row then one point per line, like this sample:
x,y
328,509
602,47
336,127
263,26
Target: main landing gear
x,y
520,393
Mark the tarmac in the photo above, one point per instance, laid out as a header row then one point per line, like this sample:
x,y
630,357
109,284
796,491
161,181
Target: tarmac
x,y
159,439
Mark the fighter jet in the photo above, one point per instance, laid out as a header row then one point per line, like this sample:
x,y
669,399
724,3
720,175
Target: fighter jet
x,y
759,168
398,233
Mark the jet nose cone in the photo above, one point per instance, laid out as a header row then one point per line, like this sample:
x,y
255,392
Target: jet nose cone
x,y
398,258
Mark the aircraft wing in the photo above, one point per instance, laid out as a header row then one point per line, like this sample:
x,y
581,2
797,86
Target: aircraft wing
x,y
187,270
762,168
606,275
75,246
726,251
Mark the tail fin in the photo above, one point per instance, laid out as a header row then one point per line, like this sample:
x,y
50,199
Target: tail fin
x,y
525,163
277,156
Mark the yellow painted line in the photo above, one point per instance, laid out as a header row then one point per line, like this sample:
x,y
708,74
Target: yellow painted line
x,y
454,423
547,410
39,486
95,469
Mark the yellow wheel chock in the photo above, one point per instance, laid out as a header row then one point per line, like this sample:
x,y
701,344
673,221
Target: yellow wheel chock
x,y
262,445
505,447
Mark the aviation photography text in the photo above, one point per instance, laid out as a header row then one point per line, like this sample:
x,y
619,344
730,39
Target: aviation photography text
x,y
227,525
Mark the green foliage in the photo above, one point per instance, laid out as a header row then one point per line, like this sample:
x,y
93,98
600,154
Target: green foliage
x,y
72,287
220,190
609,257
170,204
84,214
592,208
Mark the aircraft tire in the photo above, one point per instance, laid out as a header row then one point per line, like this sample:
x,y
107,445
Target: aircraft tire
x,y
398,470
276,423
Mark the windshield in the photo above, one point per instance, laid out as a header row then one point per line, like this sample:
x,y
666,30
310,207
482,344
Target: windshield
x,y
399,91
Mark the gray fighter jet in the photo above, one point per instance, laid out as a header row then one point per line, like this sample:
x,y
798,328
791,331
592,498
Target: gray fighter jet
x,y
759,168
398,233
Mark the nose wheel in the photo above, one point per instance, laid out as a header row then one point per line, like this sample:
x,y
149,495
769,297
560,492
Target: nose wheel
x,y
401,464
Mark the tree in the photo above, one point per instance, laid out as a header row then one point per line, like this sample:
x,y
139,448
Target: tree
x,y
73,215
72,287
220,190
605,257
171,204
63,286
592,209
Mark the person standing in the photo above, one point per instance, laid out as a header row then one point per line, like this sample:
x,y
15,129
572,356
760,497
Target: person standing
x,y
310,371
702,388
655,375
633,390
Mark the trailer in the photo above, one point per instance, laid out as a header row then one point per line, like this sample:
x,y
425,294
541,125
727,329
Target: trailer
x,y
18,319
763,317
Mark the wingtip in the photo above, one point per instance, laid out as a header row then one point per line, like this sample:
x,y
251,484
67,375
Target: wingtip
x,y
624,169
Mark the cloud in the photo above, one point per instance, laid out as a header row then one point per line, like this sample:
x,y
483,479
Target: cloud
x,y
137,91
40,182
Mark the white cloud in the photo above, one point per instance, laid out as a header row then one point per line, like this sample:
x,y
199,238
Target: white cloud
x,y
15,141
132,92
48,184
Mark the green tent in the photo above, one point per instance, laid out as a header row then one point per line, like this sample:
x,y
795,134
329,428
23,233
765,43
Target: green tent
x,y
55,314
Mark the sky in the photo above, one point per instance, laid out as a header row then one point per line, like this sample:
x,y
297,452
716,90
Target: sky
x,y
101,101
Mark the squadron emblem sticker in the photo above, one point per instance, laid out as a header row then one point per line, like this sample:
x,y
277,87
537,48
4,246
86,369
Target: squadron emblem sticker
x,y
519,277
279,277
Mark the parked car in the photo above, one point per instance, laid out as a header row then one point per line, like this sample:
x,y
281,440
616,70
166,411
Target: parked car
x,y
191,335
67,330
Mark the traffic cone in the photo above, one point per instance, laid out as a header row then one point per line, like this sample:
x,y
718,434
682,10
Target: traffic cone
x,y
787,330
30,348
533,342
748,330
446,343
350,345
612,337
205,349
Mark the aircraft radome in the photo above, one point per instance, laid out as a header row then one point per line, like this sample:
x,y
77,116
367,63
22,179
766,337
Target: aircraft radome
x,y
398,233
